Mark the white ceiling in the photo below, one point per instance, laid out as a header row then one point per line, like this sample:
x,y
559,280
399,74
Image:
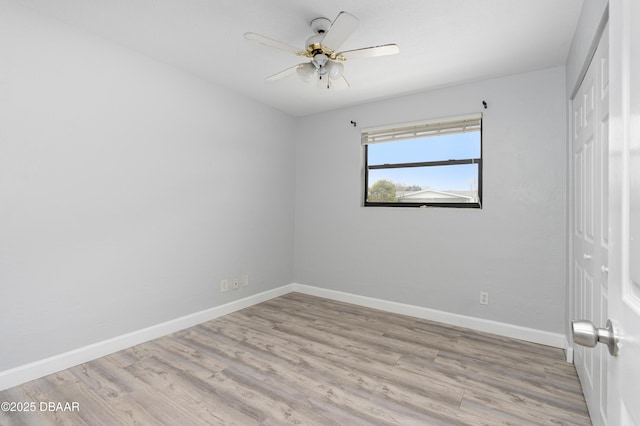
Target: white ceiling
x,y
442,42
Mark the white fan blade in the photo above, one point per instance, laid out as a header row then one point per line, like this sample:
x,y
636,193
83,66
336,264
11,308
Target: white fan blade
x,y
266,41
284,73
339,83
343,26
369,52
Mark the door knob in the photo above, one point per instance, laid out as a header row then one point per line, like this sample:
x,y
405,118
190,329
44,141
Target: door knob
x,y
604,269
586,334
586,256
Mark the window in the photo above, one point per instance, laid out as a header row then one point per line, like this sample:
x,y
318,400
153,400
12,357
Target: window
x,y
434,163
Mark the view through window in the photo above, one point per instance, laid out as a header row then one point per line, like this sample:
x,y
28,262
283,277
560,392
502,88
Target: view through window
x,y
432,163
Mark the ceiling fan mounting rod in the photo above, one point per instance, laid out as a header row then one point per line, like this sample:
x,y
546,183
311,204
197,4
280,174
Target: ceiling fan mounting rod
x,y
320,25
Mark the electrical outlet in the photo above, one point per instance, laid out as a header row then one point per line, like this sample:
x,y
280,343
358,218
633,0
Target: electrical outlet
x,y
245,280
484,298
224,285
236,284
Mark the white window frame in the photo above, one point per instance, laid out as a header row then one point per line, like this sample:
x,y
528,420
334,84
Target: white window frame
x,y
415,130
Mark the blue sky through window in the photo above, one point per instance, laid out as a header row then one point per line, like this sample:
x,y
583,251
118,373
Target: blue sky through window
x,y
435,148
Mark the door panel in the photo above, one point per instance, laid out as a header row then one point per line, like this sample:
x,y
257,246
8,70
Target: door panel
x,y
623,305
589,185
578,194
590,241
604,186
611,384
625,301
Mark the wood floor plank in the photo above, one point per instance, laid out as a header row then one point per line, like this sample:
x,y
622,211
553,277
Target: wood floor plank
x,y
300,359
474,375
179,384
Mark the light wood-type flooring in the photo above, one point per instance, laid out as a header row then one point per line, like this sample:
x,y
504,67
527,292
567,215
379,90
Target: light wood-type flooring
x,y
299,359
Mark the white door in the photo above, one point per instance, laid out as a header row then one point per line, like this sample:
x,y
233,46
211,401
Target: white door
x,y
624,207
590,222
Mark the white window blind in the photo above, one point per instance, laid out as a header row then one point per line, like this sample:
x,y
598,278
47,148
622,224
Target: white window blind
x,y
422,129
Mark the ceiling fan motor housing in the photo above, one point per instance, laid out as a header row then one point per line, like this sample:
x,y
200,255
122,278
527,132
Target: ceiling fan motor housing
x,y
314,47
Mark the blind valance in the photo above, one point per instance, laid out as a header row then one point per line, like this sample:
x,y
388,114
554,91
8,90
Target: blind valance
x,y
422,129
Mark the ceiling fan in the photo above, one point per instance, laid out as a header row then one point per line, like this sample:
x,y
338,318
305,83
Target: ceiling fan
x,y
326,65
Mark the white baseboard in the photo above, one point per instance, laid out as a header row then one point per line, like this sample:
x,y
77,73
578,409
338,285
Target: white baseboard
x,y
556,340
569,354
44,367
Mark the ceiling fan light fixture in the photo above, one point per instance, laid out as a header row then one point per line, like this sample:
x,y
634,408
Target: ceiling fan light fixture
x,y
334,69
306,71
320,59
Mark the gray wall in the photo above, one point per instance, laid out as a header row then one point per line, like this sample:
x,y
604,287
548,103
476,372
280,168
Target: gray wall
x,y
440,258
128,190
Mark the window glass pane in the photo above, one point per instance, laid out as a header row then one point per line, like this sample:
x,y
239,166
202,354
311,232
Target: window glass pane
x,y
447,184
435,148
